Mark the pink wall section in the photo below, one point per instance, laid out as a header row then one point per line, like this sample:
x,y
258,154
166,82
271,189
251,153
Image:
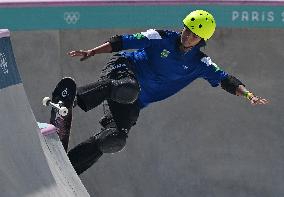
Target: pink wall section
x,y
4,33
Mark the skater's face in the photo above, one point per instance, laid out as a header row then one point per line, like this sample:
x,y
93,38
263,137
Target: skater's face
x,y
189,39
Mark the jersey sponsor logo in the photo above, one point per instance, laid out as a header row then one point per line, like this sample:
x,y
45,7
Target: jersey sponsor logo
x,y
165,53
3,64
138,36
208,62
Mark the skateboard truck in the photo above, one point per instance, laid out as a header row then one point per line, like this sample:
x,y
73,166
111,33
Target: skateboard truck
x,y
63,111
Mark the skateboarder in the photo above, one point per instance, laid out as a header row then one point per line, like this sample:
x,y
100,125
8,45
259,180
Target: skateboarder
x,y
164,63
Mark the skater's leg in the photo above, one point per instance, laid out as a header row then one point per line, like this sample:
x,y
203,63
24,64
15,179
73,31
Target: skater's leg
x,y
85,155
124,90
117,124
92,95
111,139
117,83
121,90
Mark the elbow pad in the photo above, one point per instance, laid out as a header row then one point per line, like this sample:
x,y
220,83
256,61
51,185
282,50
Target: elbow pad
x,y
230,84
116,43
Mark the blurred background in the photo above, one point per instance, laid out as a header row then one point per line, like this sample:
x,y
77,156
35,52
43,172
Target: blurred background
x,y
201,142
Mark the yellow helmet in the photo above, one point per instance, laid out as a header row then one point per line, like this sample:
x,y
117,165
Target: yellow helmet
x,y
201,23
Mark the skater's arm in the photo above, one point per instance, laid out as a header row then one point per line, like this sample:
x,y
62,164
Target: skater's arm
x,y
104,48
234,86
122,42
215,76
85,54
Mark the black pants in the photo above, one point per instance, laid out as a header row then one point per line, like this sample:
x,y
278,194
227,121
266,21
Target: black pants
x,y
119,116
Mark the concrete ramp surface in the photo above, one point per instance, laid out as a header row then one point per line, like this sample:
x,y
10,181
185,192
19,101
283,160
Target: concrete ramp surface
x,y
31,164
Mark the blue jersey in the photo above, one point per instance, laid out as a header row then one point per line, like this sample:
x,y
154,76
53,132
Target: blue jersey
x,y
162,69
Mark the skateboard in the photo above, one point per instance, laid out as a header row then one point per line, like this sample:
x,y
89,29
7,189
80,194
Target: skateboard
x,y
61,104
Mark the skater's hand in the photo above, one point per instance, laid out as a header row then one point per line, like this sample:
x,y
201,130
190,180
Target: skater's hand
x,y
84,54
256,100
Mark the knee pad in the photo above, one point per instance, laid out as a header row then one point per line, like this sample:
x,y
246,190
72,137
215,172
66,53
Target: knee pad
x,y
91,95
124,91
111,140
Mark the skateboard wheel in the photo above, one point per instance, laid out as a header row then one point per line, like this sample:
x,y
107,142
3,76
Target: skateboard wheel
x,y
63,111
45,101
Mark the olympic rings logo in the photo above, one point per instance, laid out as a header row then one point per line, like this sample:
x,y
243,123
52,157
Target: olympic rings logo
x,y
71,17
3,64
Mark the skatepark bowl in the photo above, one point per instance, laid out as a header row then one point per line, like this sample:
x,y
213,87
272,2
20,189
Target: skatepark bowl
x,y
201,142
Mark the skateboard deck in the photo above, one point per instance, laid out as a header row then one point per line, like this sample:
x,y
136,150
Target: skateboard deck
x,y
61,102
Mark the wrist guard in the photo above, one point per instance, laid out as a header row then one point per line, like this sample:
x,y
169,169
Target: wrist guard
x,y
248,95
